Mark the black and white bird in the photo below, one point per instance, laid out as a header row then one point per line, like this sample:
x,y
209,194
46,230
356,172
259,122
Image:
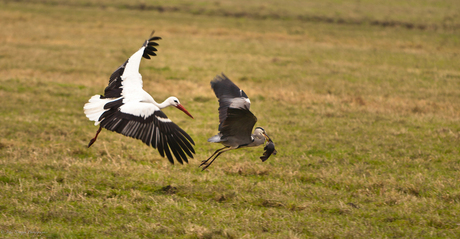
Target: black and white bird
x,y
128,109
236,121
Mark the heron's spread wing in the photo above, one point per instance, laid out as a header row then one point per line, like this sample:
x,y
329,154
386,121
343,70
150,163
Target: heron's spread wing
x,y
229,95
127,75
148,123
238,125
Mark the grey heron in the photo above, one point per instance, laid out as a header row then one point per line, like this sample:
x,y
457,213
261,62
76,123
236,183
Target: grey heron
x,y
128,109
236,121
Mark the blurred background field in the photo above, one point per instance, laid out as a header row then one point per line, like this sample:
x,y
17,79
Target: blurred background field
x,y
362,99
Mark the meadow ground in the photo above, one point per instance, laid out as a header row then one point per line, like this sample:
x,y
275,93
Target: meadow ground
x,y
362,100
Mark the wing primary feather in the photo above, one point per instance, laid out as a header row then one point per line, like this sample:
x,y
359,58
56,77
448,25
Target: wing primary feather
x,y
130,129
115,125
166,149
120,127
187,143
157,136
160,143
141,131
148,135
151,48
145,55
184,147
186,135
154,38
138,130
174,143
149,52
176,150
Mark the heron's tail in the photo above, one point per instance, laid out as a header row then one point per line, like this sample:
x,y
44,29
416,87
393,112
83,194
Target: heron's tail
x,y
95,108
215,139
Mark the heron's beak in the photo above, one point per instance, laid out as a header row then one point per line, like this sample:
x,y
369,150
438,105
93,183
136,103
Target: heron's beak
x,y
184,110
266,137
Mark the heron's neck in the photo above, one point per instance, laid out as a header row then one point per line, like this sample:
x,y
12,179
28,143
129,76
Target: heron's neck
x,y
258,140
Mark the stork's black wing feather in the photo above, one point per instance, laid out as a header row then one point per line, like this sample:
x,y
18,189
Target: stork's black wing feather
x,y
155,130
149,49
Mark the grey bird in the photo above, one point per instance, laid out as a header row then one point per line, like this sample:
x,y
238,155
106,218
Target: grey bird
x,y
236,121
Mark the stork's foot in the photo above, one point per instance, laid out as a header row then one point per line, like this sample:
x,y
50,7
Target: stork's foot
x,y
95,137
91,142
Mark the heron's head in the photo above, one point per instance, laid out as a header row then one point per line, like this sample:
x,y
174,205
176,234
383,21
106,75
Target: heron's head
x,y
176,103
261,131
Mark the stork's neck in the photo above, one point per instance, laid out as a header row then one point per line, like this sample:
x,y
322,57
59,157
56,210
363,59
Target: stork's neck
x,y
162,105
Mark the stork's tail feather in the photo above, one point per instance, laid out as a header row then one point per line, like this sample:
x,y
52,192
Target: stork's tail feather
x,y
95,108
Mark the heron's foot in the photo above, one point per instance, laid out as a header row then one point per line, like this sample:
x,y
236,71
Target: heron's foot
x,y
205,166
203,162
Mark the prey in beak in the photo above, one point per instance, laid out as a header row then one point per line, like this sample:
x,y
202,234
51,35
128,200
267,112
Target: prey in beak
x,y
269,149
184,110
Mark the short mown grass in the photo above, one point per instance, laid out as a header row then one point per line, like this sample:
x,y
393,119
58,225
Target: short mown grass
x,y
363,108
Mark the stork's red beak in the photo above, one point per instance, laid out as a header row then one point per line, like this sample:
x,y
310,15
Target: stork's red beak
x,y
184,110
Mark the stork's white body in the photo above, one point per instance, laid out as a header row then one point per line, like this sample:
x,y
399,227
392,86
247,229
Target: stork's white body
x,y
128,109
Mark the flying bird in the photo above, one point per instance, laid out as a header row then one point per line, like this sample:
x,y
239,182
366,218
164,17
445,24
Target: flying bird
x,y
236,121
128,109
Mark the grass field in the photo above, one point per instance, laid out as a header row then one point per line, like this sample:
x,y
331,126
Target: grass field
x,y
362,99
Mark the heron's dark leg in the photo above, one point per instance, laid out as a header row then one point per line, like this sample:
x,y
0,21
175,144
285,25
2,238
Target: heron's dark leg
x,y
95,137
205,161
221,151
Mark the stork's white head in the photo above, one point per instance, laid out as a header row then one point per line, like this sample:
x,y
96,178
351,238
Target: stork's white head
x,y
173,101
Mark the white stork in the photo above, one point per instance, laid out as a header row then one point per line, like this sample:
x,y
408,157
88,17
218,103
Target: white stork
x,y
128,109
236,122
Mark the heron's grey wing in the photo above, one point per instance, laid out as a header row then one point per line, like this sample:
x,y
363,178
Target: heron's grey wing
x,y
229,95
223,86
238,126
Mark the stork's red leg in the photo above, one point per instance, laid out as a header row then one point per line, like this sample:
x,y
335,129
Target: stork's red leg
x,y
95,137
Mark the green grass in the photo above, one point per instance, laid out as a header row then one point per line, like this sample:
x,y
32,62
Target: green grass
x,y
361,99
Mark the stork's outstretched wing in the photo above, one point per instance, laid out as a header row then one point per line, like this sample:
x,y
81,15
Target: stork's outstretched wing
x,y
127,75
148,123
